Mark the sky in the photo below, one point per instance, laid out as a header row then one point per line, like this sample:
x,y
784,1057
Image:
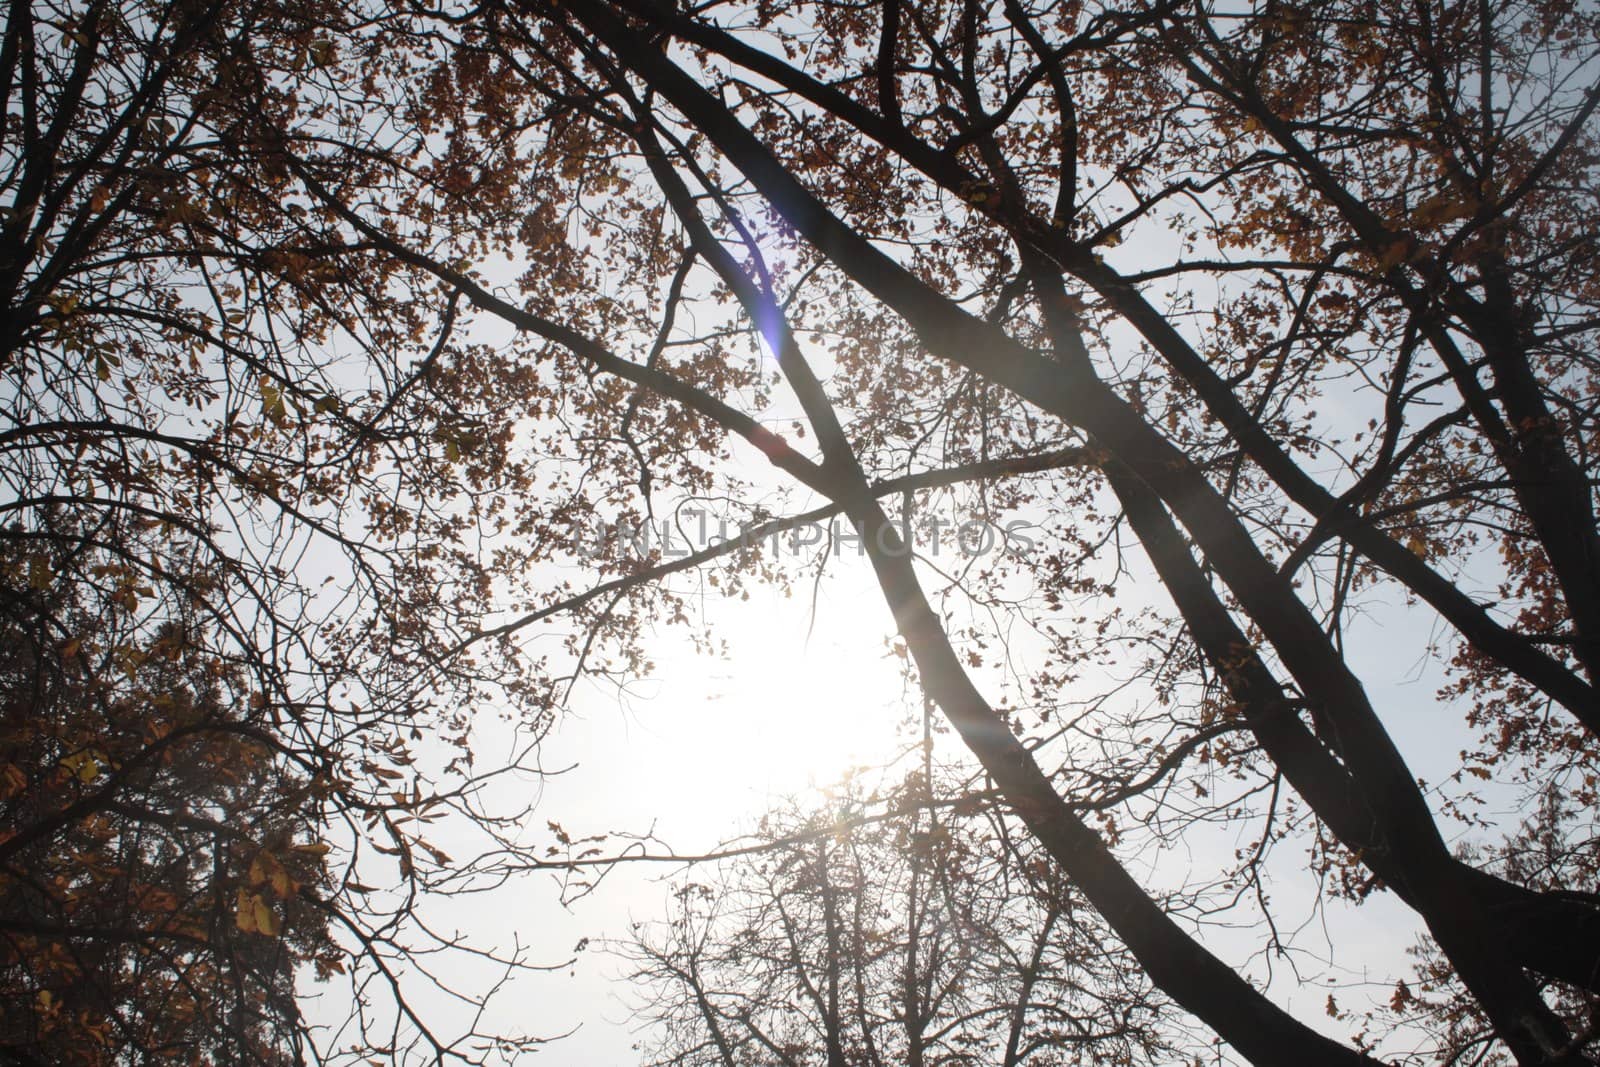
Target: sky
x,y
696,751
693,753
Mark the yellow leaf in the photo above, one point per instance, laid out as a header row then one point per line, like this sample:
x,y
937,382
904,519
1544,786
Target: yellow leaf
x,y
266,920
83,766
254,916
265,869
244,912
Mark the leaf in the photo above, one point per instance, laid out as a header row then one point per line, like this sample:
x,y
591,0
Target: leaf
x,y
82,765
253,915
272,405
1397,252
266,919
244,911
13,781
265,869
1443,207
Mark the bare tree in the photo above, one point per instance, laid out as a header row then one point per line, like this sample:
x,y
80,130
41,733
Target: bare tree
x,y
912,935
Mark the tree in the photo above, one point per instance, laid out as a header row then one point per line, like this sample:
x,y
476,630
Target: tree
x,y
916,938
1123,250
1257,316
152,905
235,490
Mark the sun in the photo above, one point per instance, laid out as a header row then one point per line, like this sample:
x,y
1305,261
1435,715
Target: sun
x,y
804,695
817,688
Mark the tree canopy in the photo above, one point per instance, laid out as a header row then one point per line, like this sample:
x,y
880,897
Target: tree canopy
x,y
1134,352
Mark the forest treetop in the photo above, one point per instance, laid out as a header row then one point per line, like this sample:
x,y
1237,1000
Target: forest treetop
x,y
333,332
